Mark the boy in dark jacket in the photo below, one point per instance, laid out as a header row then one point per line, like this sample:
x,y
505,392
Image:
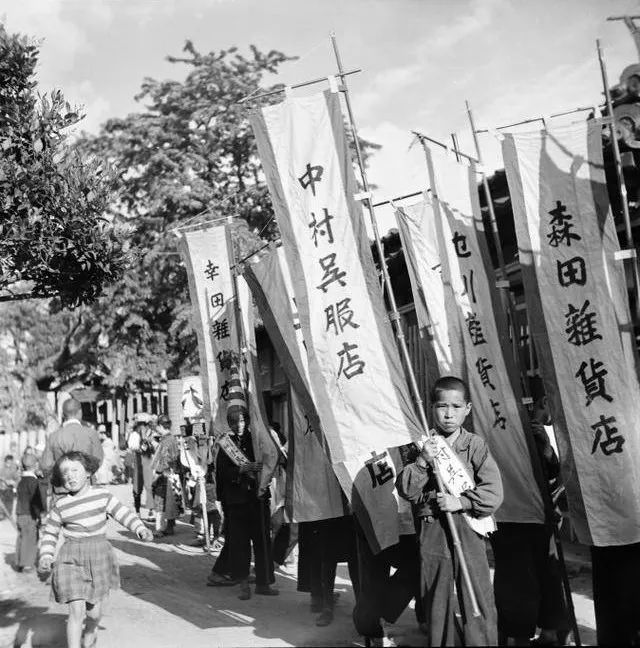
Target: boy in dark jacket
x,y
30,506
440,568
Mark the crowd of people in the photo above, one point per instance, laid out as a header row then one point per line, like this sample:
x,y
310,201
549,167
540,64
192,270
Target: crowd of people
x,y
60,492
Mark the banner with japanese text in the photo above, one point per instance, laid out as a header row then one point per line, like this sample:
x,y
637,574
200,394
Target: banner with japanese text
x,y
580,322
264,448
498,415
437,316
356,376
206,256
312,492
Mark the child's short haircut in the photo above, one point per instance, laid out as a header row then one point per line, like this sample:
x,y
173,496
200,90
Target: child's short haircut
x,y
91,464
449,382
29,461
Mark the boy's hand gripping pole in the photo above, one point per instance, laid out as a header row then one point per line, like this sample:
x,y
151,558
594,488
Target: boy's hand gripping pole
x,y
475,610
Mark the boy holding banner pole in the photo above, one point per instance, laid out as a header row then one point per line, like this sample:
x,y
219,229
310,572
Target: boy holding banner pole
x,y
472,493
395,318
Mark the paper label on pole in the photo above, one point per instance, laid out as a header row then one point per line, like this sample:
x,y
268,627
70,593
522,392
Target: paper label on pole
x,y
580,321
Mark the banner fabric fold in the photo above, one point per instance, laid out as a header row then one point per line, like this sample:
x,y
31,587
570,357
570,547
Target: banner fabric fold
x,y
313,492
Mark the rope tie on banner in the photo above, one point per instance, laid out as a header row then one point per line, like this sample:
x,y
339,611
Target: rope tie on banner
x,y
333,84
621,255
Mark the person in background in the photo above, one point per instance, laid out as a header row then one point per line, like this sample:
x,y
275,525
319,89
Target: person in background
x,y
324,544
142,446
30,509
246,513
284,533
104,474
527,580
9,476
167,489
72,435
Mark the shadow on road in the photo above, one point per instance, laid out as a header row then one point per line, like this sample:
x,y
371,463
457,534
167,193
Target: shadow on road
x,y
36,626
175,580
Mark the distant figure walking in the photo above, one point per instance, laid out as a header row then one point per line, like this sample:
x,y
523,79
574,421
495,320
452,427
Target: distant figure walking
x,y
30,507
72,435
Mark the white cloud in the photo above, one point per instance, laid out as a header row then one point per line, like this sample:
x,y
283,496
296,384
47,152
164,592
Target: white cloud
x,y
385,84
478,17
59,29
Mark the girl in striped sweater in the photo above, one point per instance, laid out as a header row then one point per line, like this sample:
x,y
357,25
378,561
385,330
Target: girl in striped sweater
x,y
86,567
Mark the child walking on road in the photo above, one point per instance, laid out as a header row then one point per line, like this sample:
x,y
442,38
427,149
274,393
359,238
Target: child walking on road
x,y
86,567
31,500
445,596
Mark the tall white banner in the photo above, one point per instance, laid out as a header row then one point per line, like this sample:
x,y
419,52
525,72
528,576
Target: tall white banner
x,y
357,380
497,410
433,298
580,321
206,255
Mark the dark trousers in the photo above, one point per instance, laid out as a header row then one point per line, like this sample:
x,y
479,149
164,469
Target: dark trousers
x,y
247,525
616,595
284,541
323,544
222,566
527,581
383,595
27,542
440,569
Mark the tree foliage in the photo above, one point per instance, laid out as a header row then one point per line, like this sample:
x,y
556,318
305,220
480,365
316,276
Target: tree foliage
x,y
188,153
52,201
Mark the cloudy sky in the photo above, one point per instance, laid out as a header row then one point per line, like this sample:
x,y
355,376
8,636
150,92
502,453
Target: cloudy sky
x,y
512,59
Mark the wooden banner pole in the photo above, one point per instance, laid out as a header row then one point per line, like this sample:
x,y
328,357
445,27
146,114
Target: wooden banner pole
x,y
622,188
395,318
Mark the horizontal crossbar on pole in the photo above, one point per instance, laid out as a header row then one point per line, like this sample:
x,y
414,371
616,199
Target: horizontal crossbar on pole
x,y
298,85
392,200
621,17
535,119
422,136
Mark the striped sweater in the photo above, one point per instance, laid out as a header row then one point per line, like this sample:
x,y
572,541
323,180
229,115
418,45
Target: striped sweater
x,y
84,515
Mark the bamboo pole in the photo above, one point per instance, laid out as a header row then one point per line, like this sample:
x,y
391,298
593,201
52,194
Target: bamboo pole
x,y
456,147
402,342
195,469
536,462
621,184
